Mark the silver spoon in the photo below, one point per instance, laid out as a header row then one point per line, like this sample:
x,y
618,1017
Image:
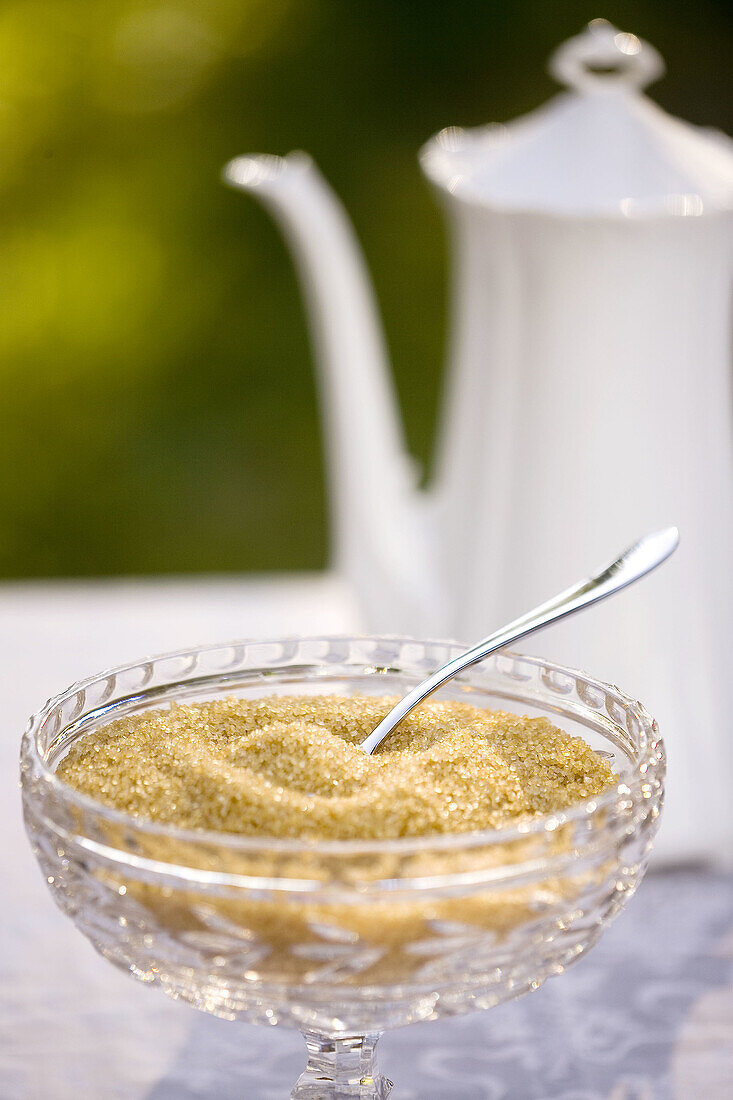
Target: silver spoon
x,y
634,563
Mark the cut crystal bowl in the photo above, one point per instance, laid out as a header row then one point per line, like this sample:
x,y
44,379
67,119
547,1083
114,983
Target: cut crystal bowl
x,y
343,939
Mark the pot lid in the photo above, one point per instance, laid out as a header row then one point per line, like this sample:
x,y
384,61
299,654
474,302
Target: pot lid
x,y
599,148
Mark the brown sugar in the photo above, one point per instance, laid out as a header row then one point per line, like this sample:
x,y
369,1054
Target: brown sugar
x,y
291,766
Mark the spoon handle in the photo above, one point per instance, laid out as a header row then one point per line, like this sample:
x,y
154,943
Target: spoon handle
x,y
634,563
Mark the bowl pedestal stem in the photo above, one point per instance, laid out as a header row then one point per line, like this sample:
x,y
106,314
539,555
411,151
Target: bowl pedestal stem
x,y
341,1067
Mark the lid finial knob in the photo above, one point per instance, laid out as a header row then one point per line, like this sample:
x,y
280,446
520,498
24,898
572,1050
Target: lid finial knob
x,y
603,57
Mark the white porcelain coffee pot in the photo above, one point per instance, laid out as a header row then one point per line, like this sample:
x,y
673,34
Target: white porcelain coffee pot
x,y
587,397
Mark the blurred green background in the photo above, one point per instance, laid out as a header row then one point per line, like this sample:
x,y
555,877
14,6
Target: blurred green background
x,y
158,408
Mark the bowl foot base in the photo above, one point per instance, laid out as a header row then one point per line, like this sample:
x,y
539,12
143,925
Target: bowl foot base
x,y
341,1068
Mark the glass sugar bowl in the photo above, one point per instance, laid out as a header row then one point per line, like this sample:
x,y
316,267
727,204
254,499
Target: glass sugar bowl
x,y
343,939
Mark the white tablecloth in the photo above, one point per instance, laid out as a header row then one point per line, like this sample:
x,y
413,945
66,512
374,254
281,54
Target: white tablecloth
x,y
648,1015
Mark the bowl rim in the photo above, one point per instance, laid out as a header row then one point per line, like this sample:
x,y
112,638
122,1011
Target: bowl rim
x,y
651,752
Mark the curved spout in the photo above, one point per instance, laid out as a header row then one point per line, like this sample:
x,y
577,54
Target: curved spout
x,y
381,542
